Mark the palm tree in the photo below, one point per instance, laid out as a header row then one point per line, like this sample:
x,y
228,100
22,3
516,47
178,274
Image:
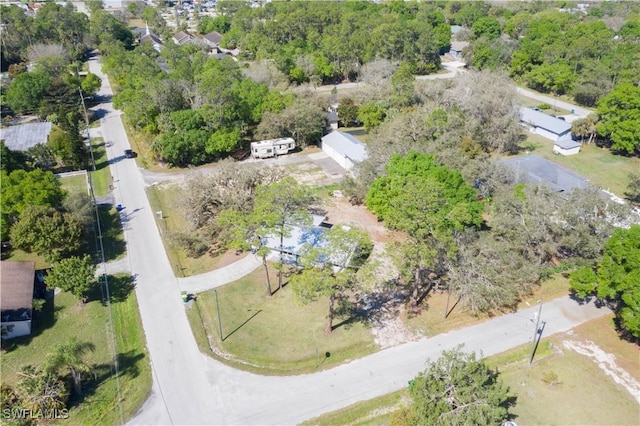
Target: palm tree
x,y
70,356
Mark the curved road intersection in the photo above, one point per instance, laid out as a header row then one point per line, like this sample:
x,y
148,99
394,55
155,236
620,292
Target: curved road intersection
x,y
190,388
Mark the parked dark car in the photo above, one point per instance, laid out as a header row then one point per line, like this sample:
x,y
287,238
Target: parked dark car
x,y
128,153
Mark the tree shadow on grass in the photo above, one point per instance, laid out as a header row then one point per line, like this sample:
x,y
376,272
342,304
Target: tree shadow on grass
x,y
117,288
351,314
127,366
112,235
121,287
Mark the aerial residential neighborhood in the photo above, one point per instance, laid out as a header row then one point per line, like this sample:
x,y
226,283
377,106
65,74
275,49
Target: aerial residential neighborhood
x,y
359,212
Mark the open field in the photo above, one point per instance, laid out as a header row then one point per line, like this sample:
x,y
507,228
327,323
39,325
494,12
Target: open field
x,y
560,387
573,388
65,317
599,165
274,335
76,183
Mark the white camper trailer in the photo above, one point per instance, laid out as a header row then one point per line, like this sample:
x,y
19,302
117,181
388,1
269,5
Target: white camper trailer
x,y
272,147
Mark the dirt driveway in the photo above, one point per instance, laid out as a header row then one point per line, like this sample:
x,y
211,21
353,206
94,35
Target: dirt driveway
x,y
341,211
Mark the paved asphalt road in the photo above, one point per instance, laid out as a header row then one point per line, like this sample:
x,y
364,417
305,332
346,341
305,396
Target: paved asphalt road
x,y
190,388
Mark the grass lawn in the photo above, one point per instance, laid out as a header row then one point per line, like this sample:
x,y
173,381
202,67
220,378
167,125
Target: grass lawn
x,y
76,183
65,317
583,394
358,132
533,103
273,335
19,255
101,178
373,412
599,165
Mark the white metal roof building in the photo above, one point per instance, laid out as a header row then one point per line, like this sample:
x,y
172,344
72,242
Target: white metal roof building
x,y
344,148
552,128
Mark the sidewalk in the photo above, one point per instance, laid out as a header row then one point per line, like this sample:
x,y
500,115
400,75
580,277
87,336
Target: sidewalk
x,y
219,277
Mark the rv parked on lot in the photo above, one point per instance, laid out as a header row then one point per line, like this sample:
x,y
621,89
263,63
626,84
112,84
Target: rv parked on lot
x,y
272,147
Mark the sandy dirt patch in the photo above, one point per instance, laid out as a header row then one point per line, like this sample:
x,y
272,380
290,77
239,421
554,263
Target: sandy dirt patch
x,y
607,363
341,211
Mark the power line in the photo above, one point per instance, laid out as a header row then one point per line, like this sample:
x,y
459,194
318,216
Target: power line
x,y
105,281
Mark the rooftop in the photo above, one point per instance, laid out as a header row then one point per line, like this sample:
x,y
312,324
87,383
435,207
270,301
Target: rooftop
x,y
346,144
16,284
299,236
545,121
459,45
533,168
213,37
25,136
568,144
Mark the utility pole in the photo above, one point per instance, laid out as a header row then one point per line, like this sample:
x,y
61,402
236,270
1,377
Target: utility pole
x,y
535,333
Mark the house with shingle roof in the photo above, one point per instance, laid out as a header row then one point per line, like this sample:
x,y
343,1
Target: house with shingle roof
x,y
25,136
535,169
16,286
212,39
457,47
149,37
182,38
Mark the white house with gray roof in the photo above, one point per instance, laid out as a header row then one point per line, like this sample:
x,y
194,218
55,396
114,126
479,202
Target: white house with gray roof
x,y
552,128
344,149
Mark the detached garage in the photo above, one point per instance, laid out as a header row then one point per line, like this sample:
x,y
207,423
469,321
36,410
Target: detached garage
x,y
344,149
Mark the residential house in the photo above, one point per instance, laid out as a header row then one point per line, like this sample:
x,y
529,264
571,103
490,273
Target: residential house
x,y
299,237
457,47
344,149
16,286
213,39
535,169
25,136
149,37
552,128
182,38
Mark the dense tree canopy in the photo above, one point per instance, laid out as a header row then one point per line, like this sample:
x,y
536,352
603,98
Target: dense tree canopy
x,y
21,188
421,197
617,277
74,274
338,37
619,113
457,389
